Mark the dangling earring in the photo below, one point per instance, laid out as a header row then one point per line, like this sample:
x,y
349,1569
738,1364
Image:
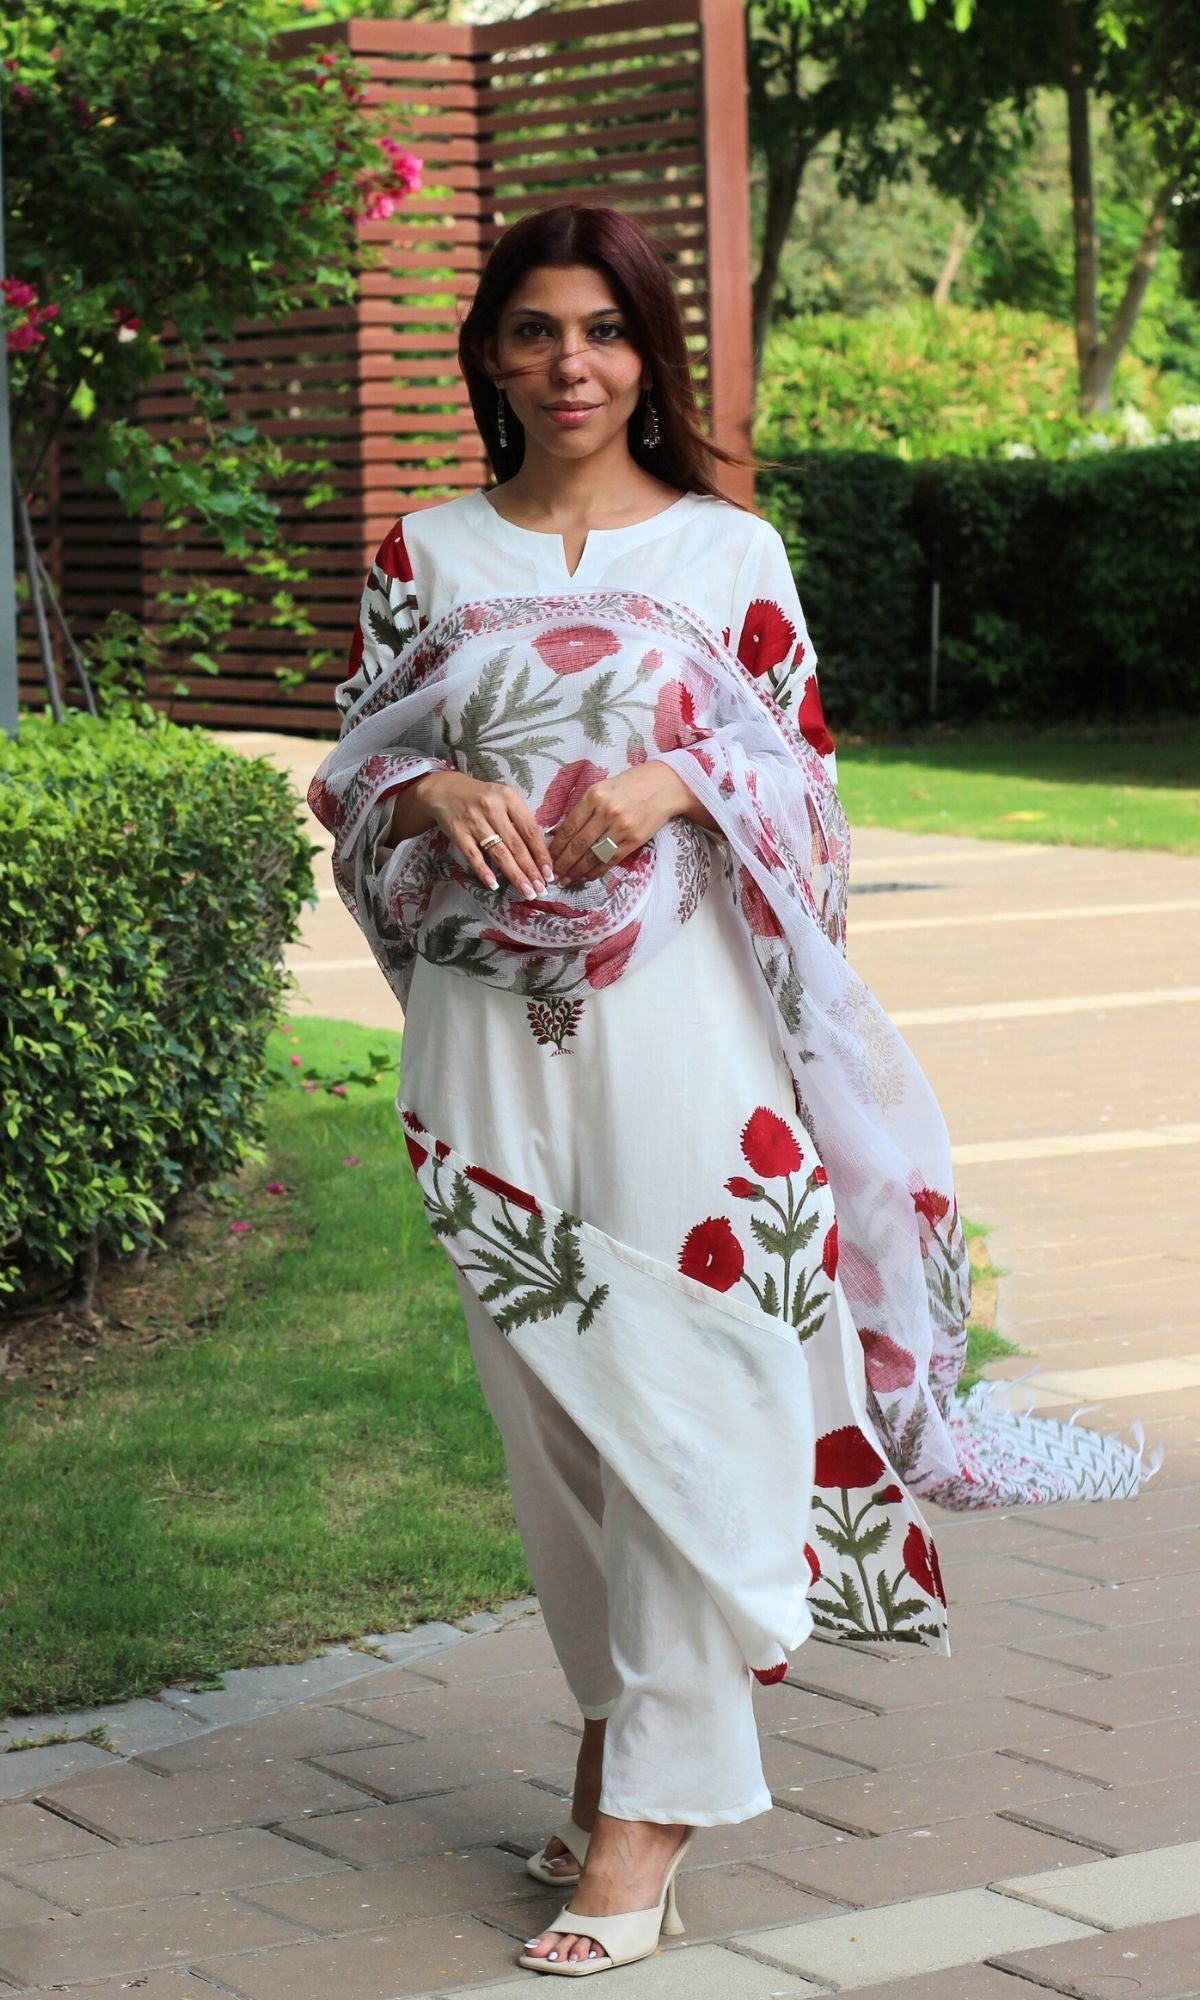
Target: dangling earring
x,y
500,424
650,430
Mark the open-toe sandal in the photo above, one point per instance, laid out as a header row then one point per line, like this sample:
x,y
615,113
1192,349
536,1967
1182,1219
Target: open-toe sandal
x,y
623,1937
575,1839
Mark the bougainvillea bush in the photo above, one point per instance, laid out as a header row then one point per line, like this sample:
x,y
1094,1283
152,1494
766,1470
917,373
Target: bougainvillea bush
x,y
149,881
168,173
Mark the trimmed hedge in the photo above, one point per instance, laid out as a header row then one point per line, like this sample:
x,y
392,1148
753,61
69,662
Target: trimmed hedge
x,y
1070,588
149,880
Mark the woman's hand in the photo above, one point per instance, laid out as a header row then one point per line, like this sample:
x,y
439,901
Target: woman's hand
x,y
468,809
629,807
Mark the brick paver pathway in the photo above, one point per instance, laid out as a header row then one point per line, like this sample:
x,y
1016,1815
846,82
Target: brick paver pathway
x,y
1020,1819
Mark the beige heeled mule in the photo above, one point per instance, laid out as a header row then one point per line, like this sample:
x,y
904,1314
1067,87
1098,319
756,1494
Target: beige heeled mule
x,y
624,1937
575,1839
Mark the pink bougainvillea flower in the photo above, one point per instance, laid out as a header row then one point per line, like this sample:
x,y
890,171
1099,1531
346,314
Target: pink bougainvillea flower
x,y
295,1062
566,788
276,1187
338,1089
829,1252
485,1179
351,1160
889,1366
767,636
712,1253
846,1457
568,649
769,1144
240,1228
311,1084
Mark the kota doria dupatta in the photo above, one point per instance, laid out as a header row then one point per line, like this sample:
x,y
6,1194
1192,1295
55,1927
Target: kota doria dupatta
x,y
869,1285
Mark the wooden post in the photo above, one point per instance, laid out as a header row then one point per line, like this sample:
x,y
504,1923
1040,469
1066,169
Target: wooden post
x,y
727,199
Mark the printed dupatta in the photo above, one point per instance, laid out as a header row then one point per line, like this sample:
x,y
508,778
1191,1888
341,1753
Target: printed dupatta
x,y
848,1364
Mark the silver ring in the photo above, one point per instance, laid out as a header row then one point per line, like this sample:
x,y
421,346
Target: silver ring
x,y
487,840
605,847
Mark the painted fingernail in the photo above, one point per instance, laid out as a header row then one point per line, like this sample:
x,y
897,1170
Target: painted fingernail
x,y
490,880
547,871
530,891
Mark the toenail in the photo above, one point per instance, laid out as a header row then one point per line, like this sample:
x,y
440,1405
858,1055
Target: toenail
x,y
551,1954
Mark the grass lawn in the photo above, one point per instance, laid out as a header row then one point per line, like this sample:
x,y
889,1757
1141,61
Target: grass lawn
x,y
1080,784
279,1442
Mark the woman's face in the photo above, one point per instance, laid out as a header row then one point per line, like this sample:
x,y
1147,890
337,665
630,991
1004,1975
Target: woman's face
x,y
563,328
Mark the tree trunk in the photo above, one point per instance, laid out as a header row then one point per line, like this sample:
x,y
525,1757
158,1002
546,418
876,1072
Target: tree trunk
x,y
1083,198
1097,376
784,177
959,239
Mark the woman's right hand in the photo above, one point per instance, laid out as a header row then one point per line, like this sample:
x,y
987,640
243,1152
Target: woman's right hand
x,y
467,809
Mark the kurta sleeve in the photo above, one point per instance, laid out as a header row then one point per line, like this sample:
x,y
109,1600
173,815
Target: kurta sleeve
x,y
770,637
388,617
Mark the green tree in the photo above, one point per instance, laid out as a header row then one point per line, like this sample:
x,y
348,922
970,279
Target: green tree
x,y
167,174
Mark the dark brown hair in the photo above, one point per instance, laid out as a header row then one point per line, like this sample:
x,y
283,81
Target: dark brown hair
x,y
613,243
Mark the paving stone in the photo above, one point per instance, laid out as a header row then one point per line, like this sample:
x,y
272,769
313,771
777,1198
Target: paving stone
x,y
792,1767
417,1643
1155,1961
960,1982
357,1899
933,1679
967,1853
523,1644
257,1690
881,1742
430,1709
132,1804
1123,1820
1121,1889
926,1935
988,1578
170,1931
21,1906
1012,1621
96,1881
1155,1508
23,1772
676,1972
176,1984
1140,1602
1130,1557
918,1795
131,1725
370,1965
30,1833
1157,1695
1139,1753
1127,1649
766,1833
394,1679
406,1770
780,1706
485,1815
293,1732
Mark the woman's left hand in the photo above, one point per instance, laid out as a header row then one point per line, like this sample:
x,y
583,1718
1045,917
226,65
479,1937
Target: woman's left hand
x,y
629,807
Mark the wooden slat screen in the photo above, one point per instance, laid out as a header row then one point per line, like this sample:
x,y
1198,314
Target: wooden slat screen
x,y
637,105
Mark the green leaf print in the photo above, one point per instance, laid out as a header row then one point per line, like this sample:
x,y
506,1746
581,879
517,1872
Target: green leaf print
x,y
385,630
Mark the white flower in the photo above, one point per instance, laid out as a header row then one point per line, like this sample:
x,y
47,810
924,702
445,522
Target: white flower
x,y
1136,427
1183,421
1012,449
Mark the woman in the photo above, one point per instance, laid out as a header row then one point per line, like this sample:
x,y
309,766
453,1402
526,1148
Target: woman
x,y
698,1200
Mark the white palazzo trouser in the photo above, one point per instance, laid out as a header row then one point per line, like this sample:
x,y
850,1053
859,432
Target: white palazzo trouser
x,y
692,1034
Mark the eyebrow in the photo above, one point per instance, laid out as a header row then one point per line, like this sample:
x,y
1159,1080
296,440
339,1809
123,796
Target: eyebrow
x,y
601,312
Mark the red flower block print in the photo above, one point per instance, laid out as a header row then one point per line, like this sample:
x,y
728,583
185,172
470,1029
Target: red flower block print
x,y
921,1562
846,1457
755,908
930,1204
418,1154
769,1145
482,1178
712,1253
568,649
769,1675
810,717
607,961
566,788
767,636
675,725
814,1562
889,1366
392,556
829,1253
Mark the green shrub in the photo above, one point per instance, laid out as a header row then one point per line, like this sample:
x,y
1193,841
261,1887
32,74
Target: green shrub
x,y
924,382
149,879
1068,587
